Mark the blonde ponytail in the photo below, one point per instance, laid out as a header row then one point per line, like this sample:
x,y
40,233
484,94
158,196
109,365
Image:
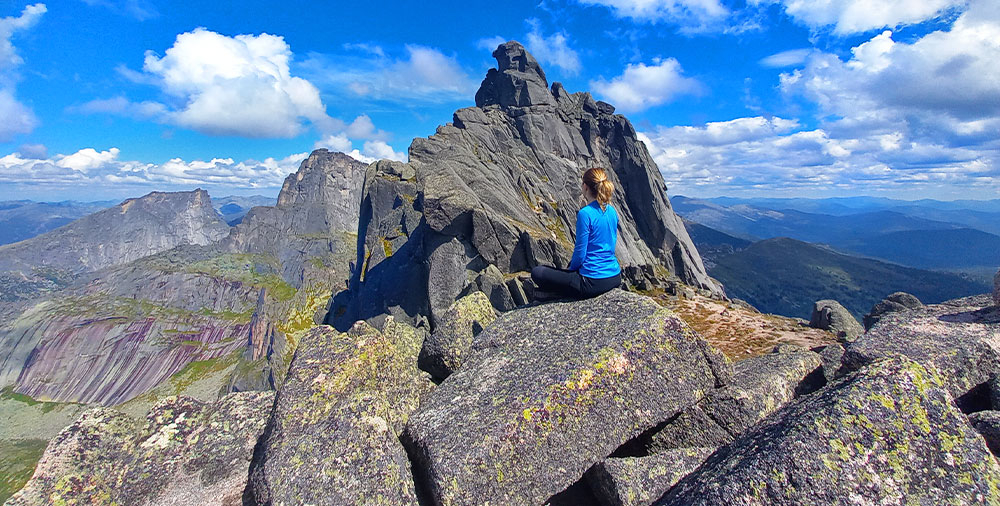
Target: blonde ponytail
x,y
598,183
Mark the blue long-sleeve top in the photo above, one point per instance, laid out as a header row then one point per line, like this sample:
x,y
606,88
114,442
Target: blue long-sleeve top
x,y
596,236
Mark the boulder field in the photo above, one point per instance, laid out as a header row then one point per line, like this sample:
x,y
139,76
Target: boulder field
x,y
610,401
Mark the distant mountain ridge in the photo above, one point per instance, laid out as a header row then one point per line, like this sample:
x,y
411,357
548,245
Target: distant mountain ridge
x,y
752,222
933,249
24,219
785,276
131,230
853,205
234,207
908,238
227,302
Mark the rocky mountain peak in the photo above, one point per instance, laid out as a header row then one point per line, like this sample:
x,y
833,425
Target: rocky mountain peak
x,y
518,80
496,192
131,230
325,192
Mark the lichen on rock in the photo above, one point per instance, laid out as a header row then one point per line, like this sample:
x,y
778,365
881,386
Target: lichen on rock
x,y
332,437
886,434
638,481
550,390
186,452
959,338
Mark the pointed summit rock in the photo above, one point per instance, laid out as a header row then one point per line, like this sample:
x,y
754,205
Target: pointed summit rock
x,y
496,191
518,80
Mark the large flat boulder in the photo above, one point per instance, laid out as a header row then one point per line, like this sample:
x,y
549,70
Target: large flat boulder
x,y
332,436
960,338
186,452
550,390
886,434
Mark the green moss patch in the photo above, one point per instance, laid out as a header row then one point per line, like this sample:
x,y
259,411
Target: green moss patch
x,y
17,463
255,270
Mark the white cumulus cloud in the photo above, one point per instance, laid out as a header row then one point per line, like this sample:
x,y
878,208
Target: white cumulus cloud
x,y
91,167
857,16
221,85
15,117
362,128
690,15
776,156
380,150
944,86
552,49
236,85
87,159
334,142
643,86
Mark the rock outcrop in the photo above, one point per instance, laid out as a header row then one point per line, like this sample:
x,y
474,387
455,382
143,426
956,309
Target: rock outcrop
x,y
312,229
332,437
186,452
830,315
548,391
760,385
987,423
960,338
887,434
497,189
131,230
444,351
899,301
996,289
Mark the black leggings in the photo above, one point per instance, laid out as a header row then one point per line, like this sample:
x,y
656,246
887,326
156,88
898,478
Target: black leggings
x,y
572,283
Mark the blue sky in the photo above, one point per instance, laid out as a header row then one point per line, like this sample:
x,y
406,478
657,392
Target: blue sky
x,y
114,98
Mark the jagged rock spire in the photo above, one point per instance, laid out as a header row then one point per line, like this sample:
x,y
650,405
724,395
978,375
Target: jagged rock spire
x,y
518,80
496,191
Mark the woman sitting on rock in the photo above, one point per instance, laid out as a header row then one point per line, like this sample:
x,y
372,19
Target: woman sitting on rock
x,y
594,268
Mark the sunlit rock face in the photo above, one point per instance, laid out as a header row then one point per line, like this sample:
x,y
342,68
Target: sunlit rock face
x,y
235,306
498,189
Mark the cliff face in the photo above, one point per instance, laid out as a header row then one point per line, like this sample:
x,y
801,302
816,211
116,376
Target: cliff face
x,y
316,218
131,230
237,305
496,192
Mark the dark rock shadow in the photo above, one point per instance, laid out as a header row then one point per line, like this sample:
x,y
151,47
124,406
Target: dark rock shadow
x,y
986,315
